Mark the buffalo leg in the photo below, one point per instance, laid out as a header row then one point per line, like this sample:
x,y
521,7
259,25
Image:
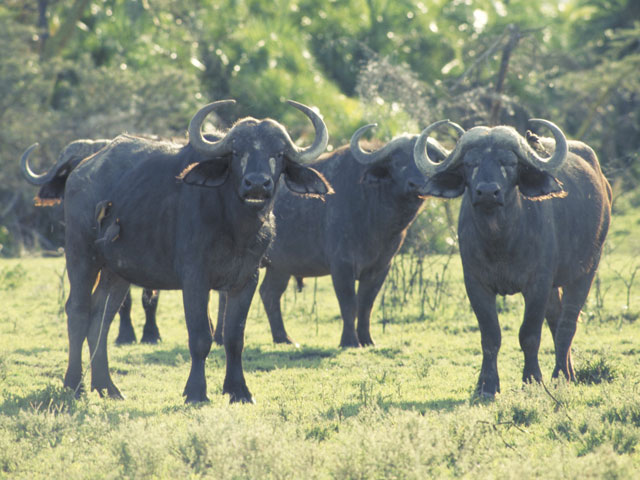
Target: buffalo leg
x,y
573,298
344,286
150,332
105,302
483,303
531,330
554,310
271,290
222,308
78,308
196,301
238,304
126,334
368,290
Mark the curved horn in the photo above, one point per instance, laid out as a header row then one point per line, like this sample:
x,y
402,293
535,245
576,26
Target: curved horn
x,y
321,141
196,138
28,174
420,156
552,163
370,158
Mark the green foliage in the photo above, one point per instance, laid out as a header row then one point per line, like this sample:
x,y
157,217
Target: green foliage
x,y
596,370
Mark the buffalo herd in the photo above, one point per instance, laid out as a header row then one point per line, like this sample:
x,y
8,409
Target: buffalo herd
x,y
208,214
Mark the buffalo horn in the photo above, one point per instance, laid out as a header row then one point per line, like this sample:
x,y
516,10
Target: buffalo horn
x,y
552,163
370,158
197,140
319,144
427,166
28,174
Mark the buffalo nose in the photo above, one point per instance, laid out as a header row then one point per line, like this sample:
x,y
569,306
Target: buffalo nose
x,y
257,186
488,190
258,180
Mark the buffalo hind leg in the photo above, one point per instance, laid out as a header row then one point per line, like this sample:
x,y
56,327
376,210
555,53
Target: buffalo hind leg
x,y
126,334
78,307
105,303
531,330
368,290
150,332
573,297
554,311
344,285
222,308
271,290
238,304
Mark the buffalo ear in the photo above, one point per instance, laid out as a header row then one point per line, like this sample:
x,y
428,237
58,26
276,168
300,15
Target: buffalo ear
x,y
209,173
445,185
306,181
538,185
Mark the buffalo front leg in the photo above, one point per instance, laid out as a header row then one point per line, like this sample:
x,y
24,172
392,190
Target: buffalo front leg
x,y
150,332
531,330
199,329
483,303
271,290
105,303
368,290
126,334
238,303
344,285
573,298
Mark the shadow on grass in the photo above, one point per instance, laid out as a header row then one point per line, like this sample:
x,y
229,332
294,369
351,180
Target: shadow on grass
x,y
253,358
352,409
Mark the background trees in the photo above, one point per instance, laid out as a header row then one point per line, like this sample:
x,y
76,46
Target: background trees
x,y
95,68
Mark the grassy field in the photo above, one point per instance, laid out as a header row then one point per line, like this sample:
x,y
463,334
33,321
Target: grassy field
x,y
403,409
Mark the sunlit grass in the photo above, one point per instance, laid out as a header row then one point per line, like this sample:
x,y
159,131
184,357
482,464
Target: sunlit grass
x,y
402,409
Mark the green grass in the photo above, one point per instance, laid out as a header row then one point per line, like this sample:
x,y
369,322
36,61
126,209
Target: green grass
x,y
403,409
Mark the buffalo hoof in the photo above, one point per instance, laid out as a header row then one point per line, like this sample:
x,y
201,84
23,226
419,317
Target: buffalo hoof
x,y
152,339
127,338
195,394
78,390
349,340
238,393
487,390
286,339
568,376
366,340
217,338
112,392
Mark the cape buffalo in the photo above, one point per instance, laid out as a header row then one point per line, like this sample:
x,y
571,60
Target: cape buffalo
x,y
350,235
527,224
166,216
51,192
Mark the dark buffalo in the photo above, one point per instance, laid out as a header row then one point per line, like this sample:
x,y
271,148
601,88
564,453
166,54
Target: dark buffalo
x,y
51,192
350,235
166,216
527,224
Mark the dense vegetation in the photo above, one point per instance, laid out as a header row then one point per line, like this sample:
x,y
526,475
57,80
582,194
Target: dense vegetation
x,y
93,69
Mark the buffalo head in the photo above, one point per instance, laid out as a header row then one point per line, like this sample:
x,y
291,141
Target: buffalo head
x,y
253,154
490,163
393,163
